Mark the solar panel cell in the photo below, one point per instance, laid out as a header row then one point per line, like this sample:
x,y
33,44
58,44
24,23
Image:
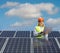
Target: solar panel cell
x,y
23,34
54,34
58,39
32,35
0,31
7,34
18,45
2,40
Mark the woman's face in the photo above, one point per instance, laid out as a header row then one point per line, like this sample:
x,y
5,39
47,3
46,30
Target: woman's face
x,y
41,23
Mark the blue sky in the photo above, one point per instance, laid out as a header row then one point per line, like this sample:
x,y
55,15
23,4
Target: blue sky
x,y
23,14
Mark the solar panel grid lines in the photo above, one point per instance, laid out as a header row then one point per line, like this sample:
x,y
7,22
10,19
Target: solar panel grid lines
x,y
30,34
44,49
55,47
4,45
7,34
15,33
41,49
26,46
22,46
35,44
2,40
11,48
7,48
15,46
18,45
37,49
23,34
57,41
54,34
1,32
31,46
50,48
47,48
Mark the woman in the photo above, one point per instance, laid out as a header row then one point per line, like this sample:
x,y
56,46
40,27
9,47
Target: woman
x,y
40,30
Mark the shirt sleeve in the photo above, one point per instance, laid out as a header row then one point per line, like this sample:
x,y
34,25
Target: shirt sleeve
x,y
35,32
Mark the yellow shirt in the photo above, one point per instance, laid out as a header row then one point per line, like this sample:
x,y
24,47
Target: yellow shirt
x,y
39,29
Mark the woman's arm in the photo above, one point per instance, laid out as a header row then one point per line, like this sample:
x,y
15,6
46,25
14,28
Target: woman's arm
x,y
35,32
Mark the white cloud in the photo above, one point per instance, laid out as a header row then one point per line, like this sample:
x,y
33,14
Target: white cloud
x,y
10,4
18,24
48,7
54,21
28,10
25,11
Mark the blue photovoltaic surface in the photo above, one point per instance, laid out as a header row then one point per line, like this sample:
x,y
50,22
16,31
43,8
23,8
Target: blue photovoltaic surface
x,y
2,40
18,45
32,35
54,34
21,44
0,31
7,34
46,47
58,39
23,34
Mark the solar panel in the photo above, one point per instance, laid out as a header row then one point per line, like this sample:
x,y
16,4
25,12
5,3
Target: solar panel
x,y
41,46
18,45
24,42
0,31
23,34
54,34
2,40
32,35
7,34
58,39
